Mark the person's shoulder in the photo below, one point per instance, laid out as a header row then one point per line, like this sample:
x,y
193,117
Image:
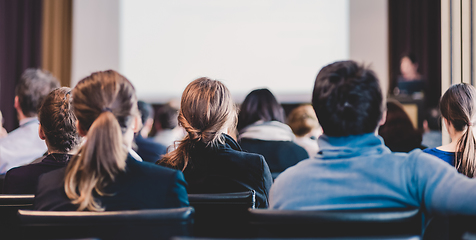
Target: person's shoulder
x,y
298,169
149,168
52,178
20,171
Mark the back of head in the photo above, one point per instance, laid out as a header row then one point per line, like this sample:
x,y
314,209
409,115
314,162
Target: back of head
x,y
457,105
206,111
32,88
347,99
433,119
167,117
146,111
259,104
303,120
398,131
105,105
58,121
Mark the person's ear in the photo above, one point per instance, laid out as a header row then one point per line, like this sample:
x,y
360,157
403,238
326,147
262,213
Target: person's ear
x,y
41,133
80,131
137,124
16,103
383,118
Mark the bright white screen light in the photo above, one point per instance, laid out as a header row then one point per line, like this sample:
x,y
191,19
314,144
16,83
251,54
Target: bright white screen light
x,y
247,44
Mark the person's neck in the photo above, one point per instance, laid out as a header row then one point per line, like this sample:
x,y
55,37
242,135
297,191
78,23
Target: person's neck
x,y
452,146
411,76
21,116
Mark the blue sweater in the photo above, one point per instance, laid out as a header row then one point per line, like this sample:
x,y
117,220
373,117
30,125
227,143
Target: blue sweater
x,y
356,172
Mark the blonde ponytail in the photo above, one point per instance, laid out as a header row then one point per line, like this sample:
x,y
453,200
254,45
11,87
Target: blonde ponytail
x,y
85,173
105,105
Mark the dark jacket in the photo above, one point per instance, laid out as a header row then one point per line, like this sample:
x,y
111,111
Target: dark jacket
x,y
142,186
278,154
149,150
23,180
226,168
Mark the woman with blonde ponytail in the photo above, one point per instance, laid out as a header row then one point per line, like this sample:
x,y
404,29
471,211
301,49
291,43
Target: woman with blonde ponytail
x,y
211,160
458,109
104,175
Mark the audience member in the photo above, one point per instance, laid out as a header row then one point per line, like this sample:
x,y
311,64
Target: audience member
x,y
147,149
103,176
354,169
410,82
398,132
23,145
58,129
432,136
303,122
210,159
457,108
166,125
262,130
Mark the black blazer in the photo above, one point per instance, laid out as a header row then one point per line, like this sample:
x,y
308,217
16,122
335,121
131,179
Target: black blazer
x,y
278,154
226,168
142,186
149,150
23,180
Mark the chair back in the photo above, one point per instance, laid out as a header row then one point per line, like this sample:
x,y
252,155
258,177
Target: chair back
x,y
9,205
136,224
222,214
335,223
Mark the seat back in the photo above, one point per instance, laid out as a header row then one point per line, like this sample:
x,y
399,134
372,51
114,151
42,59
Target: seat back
x,y
221,214
9,205
136,224
335,223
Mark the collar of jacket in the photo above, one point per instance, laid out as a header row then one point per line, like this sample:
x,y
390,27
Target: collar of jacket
x,y
350,146
268,131
228,142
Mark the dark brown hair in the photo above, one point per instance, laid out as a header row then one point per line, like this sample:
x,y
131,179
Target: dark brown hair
x,y
58,121
347,99
457,106
105,104
259,104
32,88
206,111
398,131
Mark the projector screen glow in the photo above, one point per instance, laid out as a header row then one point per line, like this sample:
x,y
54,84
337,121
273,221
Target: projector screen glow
x,y
247,44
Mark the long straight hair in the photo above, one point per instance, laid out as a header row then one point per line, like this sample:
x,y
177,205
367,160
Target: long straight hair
x,y
104,104
259,104
206,111
457,106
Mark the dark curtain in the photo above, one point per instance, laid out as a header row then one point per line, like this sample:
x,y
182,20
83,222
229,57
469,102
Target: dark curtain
x,y
414,26
20,48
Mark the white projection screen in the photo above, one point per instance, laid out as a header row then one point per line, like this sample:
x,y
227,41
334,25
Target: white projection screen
x,y
247,44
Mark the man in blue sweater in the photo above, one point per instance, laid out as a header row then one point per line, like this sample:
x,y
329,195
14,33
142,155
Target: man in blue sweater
x,y
354,169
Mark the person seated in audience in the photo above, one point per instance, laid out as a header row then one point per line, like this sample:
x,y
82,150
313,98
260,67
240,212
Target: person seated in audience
x,y
166,125
103,175
354,169
303,122
147,149
262,130
58,129
23,145
457,107
210,159
398,132
432,136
